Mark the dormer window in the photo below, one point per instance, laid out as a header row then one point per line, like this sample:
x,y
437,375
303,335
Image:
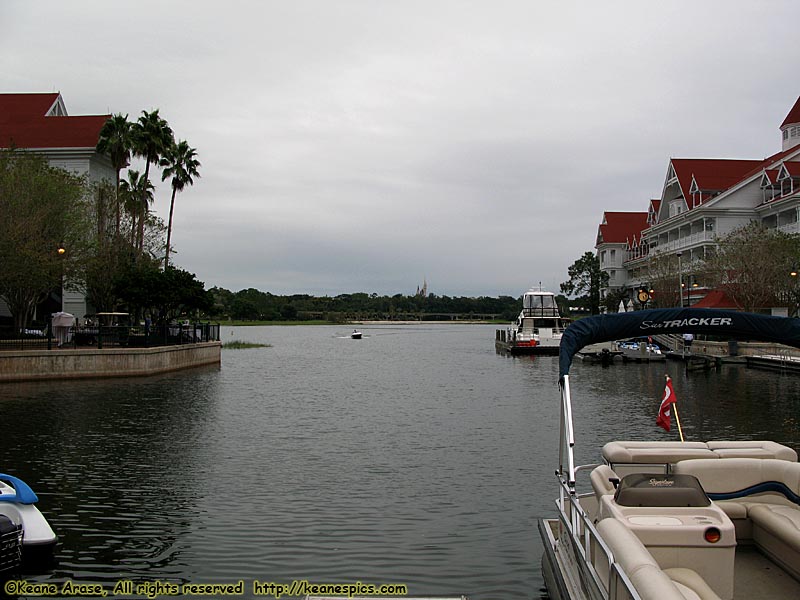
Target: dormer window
x,y
770,189
787,180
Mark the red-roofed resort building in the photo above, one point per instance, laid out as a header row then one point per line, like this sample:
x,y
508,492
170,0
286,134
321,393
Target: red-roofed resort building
x,y
40,123
700,200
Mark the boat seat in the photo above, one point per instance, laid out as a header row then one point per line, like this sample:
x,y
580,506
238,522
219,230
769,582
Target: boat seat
x,y
753,449
656,452
628,452
761,496
647,577
601,481
690,584
747,481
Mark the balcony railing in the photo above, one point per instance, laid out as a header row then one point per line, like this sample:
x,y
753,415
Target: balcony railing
x,y
790,227
689,240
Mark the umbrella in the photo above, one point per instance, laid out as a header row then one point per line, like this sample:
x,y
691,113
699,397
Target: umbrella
x,y
63,319
621,306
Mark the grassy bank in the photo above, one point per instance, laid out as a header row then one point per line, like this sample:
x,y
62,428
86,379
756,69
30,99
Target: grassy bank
x,y
239,345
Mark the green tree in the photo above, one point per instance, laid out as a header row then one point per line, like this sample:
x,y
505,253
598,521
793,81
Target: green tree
x,y
43,209
134,191
752,264
180,163
585,277
664,279
115,140
106,253
152,137
163,295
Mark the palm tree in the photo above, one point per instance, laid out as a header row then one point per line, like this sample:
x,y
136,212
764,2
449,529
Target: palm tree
x,y
152,137
133,191
181,164
115,140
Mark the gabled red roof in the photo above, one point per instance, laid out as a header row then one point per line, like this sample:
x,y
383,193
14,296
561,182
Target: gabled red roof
x,y
711,174
794,115
771,175
792,168
716,299
23,124
25,106
620,227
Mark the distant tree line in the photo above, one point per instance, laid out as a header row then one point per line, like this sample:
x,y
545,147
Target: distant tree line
x,y
255,305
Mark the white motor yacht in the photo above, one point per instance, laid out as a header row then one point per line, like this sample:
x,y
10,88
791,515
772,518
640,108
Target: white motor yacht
x,y
538,327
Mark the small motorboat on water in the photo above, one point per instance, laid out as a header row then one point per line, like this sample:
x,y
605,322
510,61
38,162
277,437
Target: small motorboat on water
x,y
538,327
26,538
356,335
664,520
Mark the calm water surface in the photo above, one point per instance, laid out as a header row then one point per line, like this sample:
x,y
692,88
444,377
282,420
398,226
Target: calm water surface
x,y
416,455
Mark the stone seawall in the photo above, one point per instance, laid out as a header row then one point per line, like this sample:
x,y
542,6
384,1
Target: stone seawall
x,y
111,362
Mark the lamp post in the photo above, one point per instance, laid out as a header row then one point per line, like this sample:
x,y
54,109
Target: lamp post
x,y
680,278
61,251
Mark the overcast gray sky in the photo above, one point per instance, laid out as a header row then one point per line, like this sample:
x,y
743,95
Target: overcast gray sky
x,y
363,145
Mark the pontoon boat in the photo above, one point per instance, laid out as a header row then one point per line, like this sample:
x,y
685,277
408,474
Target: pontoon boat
x,y
674,520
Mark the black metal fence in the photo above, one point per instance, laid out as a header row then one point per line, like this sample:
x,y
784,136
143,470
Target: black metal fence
x,y
116,336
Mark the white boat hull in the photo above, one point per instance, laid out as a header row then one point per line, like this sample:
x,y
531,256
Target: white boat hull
x,y
38,540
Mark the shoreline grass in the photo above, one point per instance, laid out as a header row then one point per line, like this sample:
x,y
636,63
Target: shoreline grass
x,y
240,345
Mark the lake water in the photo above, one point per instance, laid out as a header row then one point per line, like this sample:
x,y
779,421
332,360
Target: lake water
x,y
416,456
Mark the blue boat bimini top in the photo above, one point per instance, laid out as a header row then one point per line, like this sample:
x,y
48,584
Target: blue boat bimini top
x,y
725,323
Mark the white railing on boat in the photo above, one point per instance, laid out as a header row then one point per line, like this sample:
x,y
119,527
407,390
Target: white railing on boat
x,y
592,553
583,537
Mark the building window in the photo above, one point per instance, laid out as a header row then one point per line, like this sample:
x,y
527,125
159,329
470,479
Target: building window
x,y
613,257
603,257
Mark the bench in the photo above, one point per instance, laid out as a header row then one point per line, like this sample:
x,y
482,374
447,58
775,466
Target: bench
x,y
762,498
647,577
658,457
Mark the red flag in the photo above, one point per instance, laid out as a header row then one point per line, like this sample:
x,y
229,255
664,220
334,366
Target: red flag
x,y
665,412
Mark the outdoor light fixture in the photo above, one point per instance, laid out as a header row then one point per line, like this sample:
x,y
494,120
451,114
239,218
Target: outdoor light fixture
x,y
793,272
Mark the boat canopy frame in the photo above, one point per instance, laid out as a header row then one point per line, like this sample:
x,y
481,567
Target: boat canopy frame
x,y
604,328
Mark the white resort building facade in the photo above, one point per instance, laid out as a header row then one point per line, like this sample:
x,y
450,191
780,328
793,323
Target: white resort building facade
x,y
701,200
39,123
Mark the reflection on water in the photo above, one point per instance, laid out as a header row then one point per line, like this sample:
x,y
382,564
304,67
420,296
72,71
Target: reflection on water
x,y
416,455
